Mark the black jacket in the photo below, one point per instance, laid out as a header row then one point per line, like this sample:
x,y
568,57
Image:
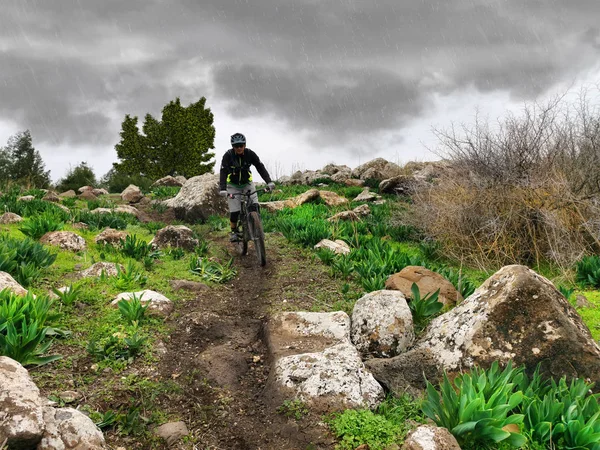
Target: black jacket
x,y
235,170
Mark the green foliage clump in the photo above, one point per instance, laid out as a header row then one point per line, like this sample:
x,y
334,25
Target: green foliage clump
x,y
588,271
164,192
35,227
23,259
296,409
135,248
129,278
213,271
132,310
80,175
358,427
117,347
99,221
424,308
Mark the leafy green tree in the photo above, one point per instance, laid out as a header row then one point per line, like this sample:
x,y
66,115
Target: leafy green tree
x,y
5,166
178,144
81,175
26,164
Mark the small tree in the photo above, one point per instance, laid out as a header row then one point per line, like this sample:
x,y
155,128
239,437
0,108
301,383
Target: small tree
x,y
178,144
81,175
25,163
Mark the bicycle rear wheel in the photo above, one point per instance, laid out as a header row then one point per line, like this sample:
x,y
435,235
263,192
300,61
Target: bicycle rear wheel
x,y
258,236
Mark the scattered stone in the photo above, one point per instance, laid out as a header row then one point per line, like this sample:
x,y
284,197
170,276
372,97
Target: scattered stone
x,y
427,281
110,236
99,192
128,209
51,197
168,181
332,199
8,218
198,199
70,429
581,301
175,236
88,195
186,285
96,270
366,196
66,240
81,226
354,182
83,189
101,211
380,170
332,169
172,432
338,246
362,210
63,207
429,437
344,215
26,198
382,324
22,424
69,396
158,303
68,194
132,194
308,196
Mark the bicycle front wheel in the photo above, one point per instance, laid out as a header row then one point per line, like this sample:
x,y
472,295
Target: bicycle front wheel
x,y
258,236
241,246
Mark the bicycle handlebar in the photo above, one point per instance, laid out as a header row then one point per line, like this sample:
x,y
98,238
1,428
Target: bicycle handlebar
x,y
247,193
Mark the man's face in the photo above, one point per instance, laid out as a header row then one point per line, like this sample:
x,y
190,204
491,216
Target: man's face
x,y
239,149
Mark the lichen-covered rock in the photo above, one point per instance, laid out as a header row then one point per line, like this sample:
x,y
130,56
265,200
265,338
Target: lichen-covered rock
x,y
350,216
168,181
87,195
366,196
175,236
515,315
383,168
98,192
277,205
51,197
338,246
332,199
334,378
70,429
21,412
401,184
128,209
68,194
157,302
332,169
306,197
97,269
382,324
198,199
172,432
26,198
429,437
110,236
132,194
362,210
66,240
83,189
8,218
8,282
427,281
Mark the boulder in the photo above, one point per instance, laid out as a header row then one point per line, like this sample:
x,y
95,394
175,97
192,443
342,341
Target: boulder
x,y
366,196
344,215
158,303
101,211
168,181
581,301
332,199
338,246
83,189
26,198
181,179
110,237
429,437
401,184
362,210
332,169
310,176
109,269
66,240
515,315
70,429
306,197
341,176
275,206
51,197
99,192
132,194
198,199
372,174
354,182
172,432
8,282
428,282
88,195
284,180
384,169
81,226
382,324
128,209
175,236
63,207
22,425
8,218
68,194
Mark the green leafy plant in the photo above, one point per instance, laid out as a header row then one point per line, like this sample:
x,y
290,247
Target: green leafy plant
x,y
135,248
117,346
106,419
423,308
69,295
326,256
462,284
153,227
342,266
129,278
566,291
176,253
296,409
588,271
132,310
358,427
36,227
477,407
210,270
202,248
164,192
99,221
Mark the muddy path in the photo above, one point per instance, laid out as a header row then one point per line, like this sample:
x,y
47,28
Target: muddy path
x,y
216,353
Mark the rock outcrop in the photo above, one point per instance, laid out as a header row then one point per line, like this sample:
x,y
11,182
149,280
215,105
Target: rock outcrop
x,y
198,199
66,240
175,236
132,194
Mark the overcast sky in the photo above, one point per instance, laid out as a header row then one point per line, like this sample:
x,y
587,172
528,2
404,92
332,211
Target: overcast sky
x,y
308,81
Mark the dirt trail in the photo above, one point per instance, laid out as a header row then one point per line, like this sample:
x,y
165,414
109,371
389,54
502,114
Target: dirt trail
x,y
217,354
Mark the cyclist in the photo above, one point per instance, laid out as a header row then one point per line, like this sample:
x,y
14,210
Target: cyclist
x,y
236,178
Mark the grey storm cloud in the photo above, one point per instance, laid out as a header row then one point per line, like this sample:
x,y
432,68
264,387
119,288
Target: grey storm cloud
x,y
70,68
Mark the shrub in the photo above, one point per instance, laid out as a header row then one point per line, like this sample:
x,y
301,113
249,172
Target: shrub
x,y
24,259
37,226
213,271
424,308
164,192
588,271
80,175
99,221
117,346
358,427
135,248
132,310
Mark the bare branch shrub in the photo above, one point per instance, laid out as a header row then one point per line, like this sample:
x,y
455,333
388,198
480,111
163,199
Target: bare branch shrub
x,y
525,191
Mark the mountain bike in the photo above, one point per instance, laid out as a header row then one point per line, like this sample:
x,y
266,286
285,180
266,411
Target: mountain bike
x,y
252,229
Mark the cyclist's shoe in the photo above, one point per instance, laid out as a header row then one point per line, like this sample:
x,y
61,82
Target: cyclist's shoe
x,y
234,237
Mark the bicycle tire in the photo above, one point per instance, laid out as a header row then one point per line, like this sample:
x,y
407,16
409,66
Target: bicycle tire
x,y
241,247
258,236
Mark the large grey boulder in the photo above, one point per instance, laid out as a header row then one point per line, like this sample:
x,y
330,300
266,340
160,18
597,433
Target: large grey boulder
x,y
68,194
175,236
198,199
132,194
382,324
332,169
8,282
51,197
516,315
378,168
8,218
66,240
70,429
21,415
